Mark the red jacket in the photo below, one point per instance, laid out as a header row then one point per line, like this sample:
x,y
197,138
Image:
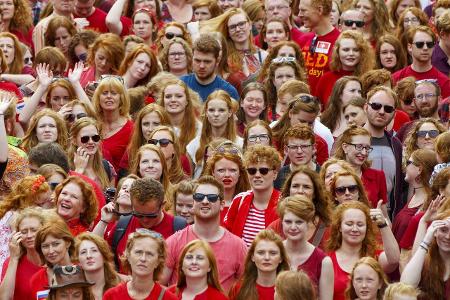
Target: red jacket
x,y
240,206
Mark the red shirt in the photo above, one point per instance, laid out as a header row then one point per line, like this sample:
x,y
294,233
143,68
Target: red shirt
x,y
165,228
38,284
375,185
209,293
97,21
264,293
121,292
116,144
409,234
25,270
313,266
400,118
433,73
26,38
326,83
317,63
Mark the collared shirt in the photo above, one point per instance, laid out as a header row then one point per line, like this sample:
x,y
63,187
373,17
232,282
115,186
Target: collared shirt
x,y
440,60
39,32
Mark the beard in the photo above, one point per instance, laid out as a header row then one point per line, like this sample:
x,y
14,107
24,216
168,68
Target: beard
x,y
427,111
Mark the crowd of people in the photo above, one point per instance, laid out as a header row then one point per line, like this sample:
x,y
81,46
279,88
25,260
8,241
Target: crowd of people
x,y
229,149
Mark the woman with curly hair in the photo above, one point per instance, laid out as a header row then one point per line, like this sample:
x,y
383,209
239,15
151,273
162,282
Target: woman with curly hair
x,y
148,118
17,19
176,58
367,280
376,19
45,127
253,105
428,268
218,122
59,33
352,55
76,204
353,237
297,214
95,257
344,90
266,258
139,66
390,54
168,32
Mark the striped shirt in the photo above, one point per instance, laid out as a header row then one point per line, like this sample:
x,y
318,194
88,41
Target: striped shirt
x,y
256,221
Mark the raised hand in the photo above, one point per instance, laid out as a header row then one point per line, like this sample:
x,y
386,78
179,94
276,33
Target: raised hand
x,y
80,160
431,212
75,73
107,212
5,101
376,214
44,75
435,225
14,245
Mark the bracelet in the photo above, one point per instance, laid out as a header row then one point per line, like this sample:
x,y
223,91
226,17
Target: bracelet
x,y
382,225
424,246
104,221
426,243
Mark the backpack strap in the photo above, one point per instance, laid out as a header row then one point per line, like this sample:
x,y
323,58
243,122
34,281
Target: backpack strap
x,y
319,234
118,234
107,168
179,223
161,294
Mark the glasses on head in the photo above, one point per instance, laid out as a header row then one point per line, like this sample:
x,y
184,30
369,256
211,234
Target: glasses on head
x,y
73,117
313,45
377,106
352,189
56,78
429,80
282,59
144,215
161,142
234,27
120,78
361,147
199,197
53,185
95,138
261,137
420,45
304,99
430,133
349,23
296,147
152,233
171,35
262,171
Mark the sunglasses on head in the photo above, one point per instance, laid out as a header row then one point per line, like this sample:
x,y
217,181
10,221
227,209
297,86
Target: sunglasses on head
x,y
342,189
350,23
152,233
420,45
120,78
431,133
377,106
282,59
171,35
72,117
161,142
199,197
86,138
262,171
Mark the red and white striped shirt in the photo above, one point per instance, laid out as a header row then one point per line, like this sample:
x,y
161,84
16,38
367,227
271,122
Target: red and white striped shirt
x,y
256,221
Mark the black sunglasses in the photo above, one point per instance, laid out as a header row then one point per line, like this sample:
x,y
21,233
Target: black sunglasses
x,y
86,138
117,213
161,142
142,215
377,106
53,185
350,23
420,45
431,133
198,197
342,189
408,101
313,45
171,35
262,171
72,117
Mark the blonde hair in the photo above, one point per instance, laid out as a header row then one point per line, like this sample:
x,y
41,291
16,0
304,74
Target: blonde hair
x,y
400,289
112,83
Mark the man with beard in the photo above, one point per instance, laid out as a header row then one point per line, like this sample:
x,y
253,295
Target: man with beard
x,y
421,42
427,96
387,149
206,58
229,250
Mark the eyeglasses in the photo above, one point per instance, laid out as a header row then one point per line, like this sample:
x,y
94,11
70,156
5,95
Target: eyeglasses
x,y
429,80
120,78
361,147
53,185
177,54
234,27
340,191
349,23
230,149
72,117
152,233
296,147
426,96
261,137
410,21
199,197
171,35
262,171
377,106
143,215
282,59
162,142
420,45
313,45
95,138
304,99
430,133
278,7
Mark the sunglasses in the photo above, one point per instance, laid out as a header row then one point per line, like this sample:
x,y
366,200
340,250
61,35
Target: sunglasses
x,y
162,142
56,78
304,99
171,35
152,233
53,185
410,162
142,215
377,106
430,133
72,117
408,101
199,197
262,171
120,78
340,191
86,138
420,45
350,23
282,59
117,213
28,60
313,45
82,57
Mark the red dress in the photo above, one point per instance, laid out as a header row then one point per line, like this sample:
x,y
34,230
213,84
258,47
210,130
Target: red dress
x,y
116,144
374,182
121,292
264,293
209,293
25,270
402,221
313,266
